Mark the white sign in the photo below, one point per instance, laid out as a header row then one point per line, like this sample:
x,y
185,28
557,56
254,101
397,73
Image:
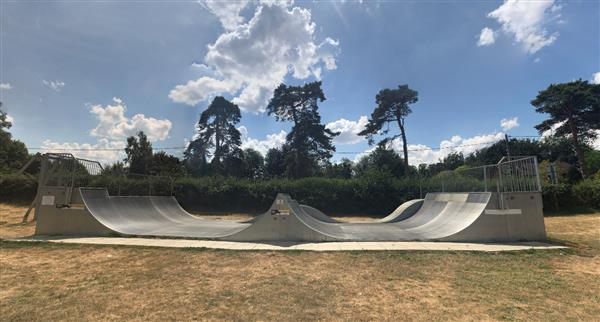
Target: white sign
x,y
47,200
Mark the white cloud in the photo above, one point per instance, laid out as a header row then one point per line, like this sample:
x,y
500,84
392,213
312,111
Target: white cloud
x,y
54,85
596,78
508,124
249,60
115,126
348,130
274,140
421,153
228,12
596,142
10,119
100,151
550,133
487,37
526,21
112,130
5,86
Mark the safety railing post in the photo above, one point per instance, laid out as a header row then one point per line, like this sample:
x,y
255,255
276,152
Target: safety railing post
x,y
485,178
537,174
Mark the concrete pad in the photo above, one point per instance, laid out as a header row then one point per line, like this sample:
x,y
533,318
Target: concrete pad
x,y
284,246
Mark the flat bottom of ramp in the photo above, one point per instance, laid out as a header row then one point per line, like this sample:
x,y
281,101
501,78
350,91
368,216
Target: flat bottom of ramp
x,y
282,246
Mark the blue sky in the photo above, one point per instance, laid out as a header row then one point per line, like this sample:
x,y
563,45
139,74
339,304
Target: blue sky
x,y
86,75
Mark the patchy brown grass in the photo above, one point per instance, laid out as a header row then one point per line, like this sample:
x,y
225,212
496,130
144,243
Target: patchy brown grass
x,y
581,229
10,222
40,281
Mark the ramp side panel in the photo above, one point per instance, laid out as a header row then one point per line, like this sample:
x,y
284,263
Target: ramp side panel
x,y
68,222
527,226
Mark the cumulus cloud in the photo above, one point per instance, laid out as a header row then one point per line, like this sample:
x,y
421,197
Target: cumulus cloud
x,y
421,153
115,126
102,151
250,59
508,124
550,133
111,132
526,22
486,37
348,130
54,85
274,140
228,12
596,78
5,86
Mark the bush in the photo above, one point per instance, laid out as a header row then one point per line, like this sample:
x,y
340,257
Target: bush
x,y
373,193
18,188
588,192
557,195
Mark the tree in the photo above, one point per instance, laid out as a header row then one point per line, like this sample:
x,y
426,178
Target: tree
x,y
165,164
381,160
342,169
252,164
453,160
13,153
217,133
495,152
194,158
392,106
139,154
117,168
574,110
309,142
275,163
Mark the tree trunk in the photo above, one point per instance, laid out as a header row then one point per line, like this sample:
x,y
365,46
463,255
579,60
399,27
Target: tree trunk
x,y
578,150
404,145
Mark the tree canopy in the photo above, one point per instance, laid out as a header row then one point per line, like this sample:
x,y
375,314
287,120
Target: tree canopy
x,y
13,153
139,154
309,142
393,105
217,135
573,110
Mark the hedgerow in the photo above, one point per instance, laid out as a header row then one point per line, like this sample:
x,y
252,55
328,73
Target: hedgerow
x,y
374,193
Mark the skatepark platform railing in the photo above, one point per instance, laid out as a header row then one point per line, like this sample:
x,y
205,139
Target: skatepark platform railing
x,y
515,174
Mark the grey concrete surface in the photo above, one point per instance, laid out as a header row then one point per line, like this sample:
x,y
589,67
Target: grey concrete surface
x,y
283,246
440,216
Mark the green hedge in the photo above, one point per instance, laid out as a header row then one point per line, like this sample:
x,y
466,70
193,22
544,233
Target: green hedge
x,y
585,193
18,188
374,194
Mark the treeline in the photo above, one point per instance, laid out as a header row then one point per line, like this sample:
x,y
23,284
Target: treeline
x,y
554,154
568,163
573,109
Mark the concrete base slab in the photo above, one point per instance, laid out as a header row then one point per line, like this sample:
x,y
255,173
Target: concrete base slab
x,y
282,246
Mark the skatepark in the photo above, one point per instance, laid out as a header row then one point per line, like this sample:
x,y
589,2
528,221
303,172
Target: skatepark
x,y
511,213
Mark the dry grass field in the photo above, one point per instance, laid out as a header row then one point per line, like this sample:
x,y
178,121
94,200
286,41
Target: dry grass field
x,y
41,281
